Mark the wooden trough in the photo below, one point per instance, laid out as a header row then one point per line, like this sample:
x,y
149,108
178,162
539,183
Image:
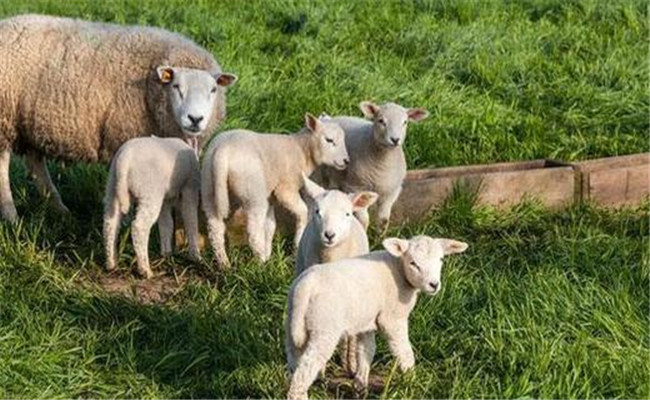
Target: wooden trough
x,y
609,182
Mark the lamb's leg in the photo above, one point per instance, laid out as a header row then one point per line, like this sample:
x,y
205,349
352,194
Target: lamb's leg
x,y
349,354
217,236
365,353
189,209
384,207
7,207
397,335
166,228
146,215
292,201
293,353
319,349
112,218
269,231
39,173
255,227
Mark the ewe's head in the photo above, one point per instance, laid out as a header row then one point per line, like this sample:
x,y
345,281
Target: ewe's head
x,y
421,258
328,142
390,121
192,94
333,211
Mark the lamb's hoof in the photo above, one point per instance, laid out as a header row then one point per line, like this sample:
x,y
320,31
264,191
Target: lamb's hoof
x,y
195,256
10,215
146,273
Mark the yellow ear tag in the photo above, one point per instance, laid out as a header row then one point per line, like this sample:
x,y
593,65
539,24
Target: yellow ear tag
x,y
166,76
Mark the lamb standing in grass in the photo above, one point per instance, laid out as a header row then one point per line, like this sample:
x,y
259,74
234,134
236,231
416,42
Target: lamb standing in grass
x,y
377,160
251,169
159,174
358,296
77,90
333,233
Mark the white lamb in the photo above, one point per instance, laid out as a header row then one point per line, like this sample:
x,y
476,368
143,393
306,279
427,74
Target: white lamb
x,y
158,173
377,160
251,169
358,296
333,233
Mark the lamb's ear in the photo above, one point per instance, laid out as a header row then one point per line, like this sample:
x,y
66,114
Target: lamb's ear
x,y
417,114
165,74
363,200
312,188
450,246
225,79
312,123
396,246
368,109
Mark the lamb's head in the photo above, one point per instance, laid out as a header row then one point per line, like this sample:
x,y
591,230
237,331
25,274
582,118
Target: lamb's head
x,y
390,121
327,142
333,211
192,94
421,259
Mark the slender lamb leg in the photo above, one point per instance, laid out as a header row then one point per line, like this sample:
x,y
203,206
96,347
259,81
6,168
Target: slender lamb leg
x,y
384,208
112,218
166,229
255,228
397,334
269,230
365,353
189,210
312,360
7,207
146,215
39,173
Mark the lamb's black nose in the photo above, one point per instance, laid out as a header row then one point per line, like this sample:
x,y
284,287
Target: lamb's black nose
x,y
346,161
329,235
394,140
434,285
194,120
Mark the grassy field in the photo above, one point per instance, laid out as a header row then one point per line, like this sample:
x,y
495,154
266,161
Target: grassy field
x,y
544,304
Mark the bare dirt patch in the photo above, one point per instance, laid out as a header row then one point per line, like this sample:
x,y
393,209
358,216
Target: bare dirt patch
x,y
156,290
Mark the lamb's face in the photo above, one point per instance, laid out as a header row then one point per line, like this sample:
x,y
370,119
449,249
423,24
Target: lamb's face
x,y
421,259
333,211
390,121
192,94
329,142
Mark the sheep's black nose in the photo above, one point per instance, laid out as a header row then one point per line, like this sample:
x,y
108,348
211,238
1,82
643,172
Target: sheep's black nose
x,y
346,161
394,140
194,120
434,285
329,235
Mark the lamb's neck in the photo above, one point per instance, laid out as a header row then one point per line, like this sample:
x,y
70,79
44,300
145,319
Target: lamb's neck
x,y
329,254
379,153
307,163
406,293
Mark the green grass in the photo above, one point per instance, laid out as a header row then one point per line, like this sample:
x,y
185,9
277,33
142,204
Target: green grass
x,y
544,304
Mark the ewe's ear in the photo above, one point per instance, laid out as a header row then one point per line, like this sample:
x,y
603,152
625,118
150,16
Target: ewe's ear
x,y
395,246
363,200
165,74
312,189
450,246
417,114
225,79
368,109
312,123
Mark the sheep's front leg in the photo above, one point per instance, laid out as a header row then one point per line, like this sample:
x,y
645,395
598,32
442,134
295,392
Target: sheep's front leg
x,y
166,229
319,349
189,210
366,347
7,207
269,230
292,201
397,335
384,207
146,215
256,228
39,173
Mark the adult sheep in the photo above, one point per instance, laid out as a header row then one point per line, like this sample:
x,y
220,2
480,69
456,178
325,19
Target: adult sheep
x,y
75,90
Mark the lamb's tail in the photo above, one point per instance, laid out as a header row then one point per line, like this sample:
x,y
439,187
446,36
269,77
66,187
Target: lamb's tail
x,y
220,184
117,189
299,303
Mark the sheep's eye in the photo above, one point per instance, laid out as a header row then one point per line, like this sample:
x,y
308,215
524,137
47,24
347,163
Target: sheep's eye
x,y
329,140
414,265
381,121
214,89
317,212
178,89
348,214
406,121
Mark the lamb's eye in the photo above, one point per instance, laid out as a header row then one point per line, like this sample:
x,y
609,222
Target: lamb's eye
x,y
178,89
381,121
406,121
348,214
214,90
415,265
329,140
317,212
